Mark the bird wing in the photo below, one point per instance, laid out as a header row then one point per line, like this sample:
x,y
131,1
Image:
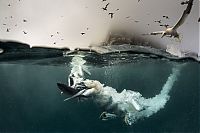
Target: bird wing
x,y
154,33
107,5
185,14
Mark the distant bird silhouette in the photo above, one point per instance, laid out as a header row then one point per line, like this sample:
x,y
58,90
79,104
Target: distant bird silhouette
x,y
165,25
87,28
24,32
199,20
11,16
157,21
136,21
24,20
117,9
128,16
105,8
82,33
103,0
167,17
57,32
54,43
9,5
172,32
4,24
111,14
184,2
7,30
51,35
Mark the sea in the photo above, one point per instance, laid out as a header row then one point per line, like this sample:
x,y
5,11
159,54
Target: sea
x,y
30,100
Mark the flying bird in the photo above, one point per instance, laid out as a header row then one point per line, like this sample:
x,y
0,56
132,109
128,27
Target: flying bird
x,y
51,35
117,9
165,25
128,16
111,14
199,20
184,2
4,24
9,5
82,33
103,0
24,32
167,17
105,8
24,20
7,30
172,31
157,21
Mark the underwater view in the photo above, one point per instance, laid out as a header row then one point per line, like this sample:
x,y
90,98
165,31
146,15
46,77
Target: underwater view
x,y
99,66
140,93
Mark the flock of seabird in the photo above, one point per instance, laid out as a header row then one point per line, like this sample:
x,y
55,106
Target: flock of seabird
x,y
169,32
8,29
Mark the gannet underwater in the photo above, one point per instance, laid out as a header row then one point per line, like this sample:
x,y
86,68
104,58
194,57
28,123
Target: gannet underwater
x,y
99,66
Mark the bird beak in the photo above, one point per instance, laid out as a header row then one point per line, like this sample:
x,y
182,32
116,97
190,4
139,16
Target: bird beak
x,y
163,34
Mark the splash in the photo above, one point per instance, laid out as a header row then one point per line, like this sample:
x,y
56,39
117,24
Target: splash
x,y
129,105
77,71
174,50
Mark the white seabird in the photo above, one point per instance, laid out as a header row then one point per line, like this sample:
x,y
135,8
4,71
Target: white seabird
x,y
172,31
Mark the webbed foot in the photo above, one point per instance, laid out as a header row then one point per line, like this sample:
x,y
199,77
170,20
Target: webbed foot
x,y
107,116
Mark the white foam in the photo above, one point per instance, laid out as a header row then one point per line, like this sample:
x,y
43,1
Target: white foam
x,y
1,50
129,104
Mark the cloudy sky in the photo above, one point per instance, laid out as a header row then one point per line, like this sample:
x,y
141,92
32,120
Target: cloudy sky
x,y
59,23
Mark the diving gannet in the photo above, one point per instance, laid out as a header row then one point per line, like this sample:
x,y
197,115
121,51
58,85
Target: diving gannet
x,y
172,31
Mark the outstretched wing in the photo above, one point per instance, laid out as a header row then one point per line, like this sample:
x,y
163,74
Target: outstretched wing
x,y
67,89
184,16
154,33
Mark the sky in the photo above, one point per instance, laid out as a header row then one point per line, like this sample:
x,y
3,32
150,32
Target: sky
x,y
60,23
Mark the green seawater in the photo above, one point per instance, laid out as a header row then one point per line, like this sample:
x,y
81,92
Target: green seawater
x,y
31,102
